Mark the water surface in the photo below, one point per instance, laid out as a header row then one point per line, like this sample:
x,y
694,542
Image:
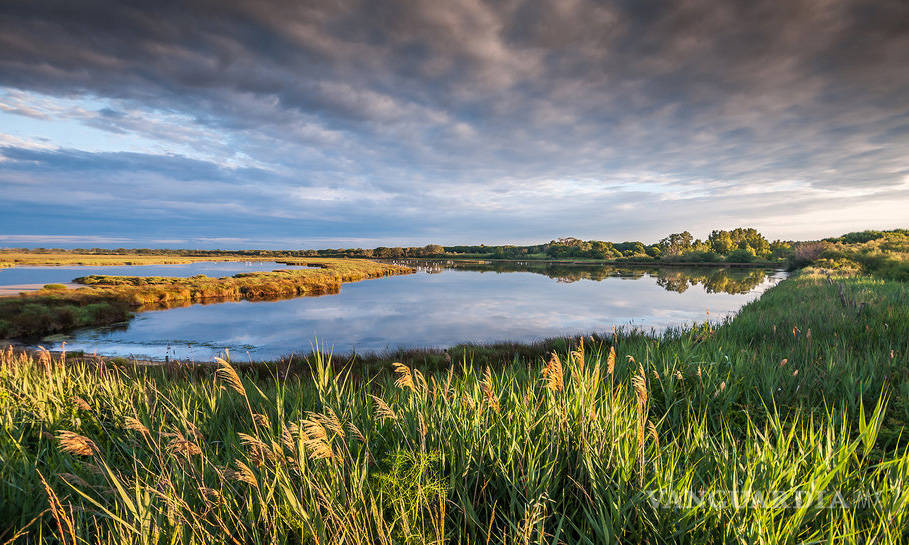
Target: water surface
x,y
15,276
442,305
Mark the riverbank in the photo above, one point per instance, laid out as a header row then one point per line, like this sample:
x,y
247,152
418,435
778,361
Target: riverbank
x,y
12,259
629,263
800,400
112,299
53,259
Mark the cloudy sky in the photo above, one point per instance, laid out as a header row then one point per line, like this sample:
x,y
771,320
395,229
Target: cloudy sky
x,y
360,123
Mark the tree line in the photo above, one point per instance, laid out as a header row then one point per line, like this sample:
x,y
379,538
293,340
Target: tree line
x,y
740,245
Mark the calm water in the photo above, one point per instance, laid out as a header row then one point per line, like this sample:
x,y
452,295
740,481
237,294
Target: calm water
x,y
15,276
437,307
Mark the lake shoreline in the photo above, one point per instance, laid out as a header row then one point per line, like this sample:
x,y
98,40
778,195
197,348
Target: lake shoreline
x,y
630,264
62,259
424,357
111,299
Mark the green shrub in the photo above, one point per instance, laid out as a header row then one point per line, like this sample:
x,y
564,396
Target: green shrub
x,y
839,264
745,255
34,317
54,287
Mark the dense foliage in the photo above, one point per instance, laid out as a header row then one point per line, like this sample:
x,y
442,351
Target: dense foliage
x,y
883,253
742,245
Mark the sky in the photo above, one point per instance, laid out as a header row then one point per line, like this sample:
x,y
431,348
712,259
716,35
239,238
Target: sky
x,y
279,124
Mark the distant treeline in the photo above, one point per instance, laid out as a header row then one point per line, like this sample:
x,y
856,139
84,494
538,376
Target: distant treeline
x,y
740,245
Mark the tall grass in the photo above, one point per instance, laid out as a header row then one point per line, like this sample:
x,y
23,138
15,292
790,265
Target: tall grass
x,y
690,437
11,258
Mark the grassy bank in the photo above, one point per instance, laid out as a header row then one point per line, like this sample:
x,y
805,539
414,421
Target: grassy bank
x,y
111,299
64,258
618,440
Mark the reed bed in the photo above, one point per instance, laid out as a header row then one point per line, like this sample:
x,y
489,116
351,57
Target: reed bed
x,y
784,425
111,299
14,258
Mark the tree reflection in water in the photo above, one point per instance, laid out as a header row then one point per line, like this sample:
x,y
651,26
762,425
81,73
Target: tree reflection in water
x,y
678,279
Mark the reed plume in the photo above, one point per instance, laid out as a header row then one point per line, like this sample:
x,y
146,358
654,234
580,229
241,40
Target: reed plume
x,y
405,376
383,411
256,450
451,375
73,443
243,473
552,373
578,355
44,360
639,381
262,420
316,440
81,404
651,429
287,438
488,391
180,445
135,425
229,375
356,433
421,386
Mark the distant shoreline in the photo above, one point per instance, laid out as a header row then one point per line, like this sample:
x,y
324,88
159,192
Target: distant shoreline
x,y
751,265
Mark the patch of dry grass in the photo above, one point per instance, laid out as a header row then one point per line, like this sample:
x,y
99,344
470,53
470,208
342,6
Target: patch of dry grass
x,y
110,299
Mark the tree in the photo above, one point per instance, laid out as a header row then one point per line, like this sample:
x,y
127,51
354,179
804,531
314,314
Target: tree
x,y
748,238
433,249
720,242
676,243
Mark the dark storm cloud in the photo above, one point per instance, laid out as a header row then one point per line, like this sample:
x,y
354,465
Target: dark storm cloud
x,y
496,113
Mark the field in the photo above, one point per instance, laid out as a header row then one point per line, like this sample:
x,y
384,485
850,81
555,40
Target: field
x,y
111,299
783,425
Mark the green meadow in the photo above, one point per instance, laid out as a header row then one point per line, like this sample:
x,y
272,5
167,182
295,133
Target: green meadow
x,y
784,424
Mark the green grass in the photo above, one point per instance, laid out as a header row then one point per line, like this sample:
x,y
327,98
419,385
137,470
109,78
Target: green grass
x,y
54,287
803,393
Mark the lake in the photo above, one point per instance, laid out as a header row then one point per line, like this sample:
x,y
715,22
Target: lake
x,y
17,276
443,304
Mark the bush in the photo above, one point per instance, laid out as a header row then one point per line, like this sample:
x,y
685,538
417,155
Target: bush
x,y
741,256
34,317
840,264
806,253
704,257
859,237
54,287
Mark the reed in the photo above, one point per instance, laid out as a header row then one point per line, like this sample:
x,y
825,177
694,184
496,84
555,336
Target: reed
x,y
112,299
12,258
704,434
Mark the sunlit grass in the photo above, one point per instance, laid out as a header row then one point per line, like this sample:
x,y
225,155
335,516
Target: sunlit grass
x,y
14,258
610,439
110,299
